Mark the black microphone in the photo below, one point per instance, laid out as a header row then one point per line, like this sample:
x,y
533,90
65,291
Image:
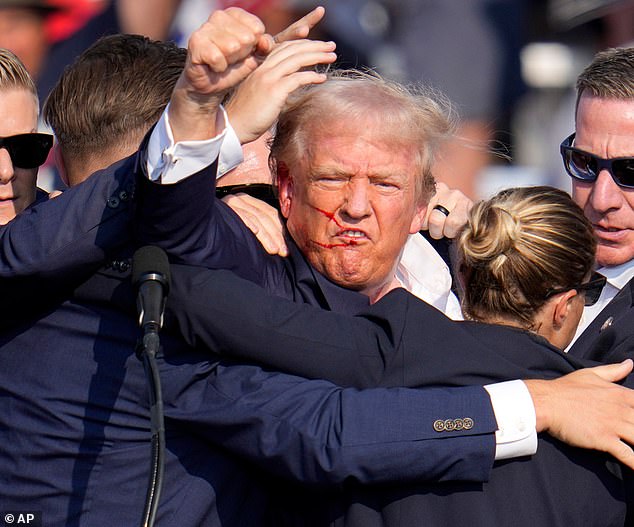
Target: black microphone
x,y
151,278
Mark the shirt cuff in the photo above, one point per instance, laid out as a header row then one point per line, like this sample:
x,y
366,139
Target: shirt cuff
x,y
231,151
514,411
169,162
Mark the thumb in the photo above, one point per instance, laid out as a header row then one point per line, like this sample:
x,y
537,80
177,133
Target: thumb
x,y
614,372
264,46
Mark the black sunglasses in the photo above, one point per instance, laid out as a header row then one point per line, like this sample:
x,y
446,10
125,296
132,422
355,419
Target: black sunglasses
x,y
591,289
262,191
585,166
27,150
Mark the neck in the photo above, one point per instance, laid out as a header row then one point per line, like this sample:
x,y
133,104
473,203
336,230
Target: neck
x,y
376,293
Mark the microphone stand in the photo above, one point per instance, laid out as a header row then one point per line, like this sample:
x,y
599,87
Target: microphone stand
x,y
147,349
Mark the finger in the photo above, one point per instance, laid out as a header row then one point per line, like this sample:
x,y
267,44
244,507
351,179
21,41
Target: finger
x,y
302,78
436,223
457,219
284,84
54,194
300,50
268,242
227,37
255,25
261,219
264,46
623,453
614,372
301,28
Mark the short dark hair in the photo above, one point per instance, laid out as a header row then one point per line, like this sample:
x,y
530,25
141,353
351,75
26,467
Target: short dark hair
x,y
610,75
113,93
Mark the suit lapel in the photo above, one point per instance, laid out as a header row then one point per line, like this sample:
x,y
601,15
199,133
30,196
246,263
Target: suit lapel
x,y
594,341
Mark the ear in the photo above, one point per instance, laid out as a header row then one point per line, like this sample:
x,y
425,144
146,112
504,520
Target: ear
x,y
563,307
284,188
418,219
59,163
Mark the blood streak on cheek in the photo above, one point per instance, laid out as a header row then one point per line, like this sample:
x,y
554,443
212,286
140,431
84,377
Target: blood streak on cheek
x,y
330,216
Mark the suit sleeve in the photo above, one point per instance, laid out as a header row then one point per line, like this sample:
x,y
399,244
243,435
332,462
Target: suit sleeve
x,y
196,228
315,432
399,341
72,232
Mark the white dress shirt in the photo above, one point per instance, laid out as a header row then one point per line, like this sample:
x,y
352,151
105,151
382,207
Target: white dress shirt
x,y
618,277
421,270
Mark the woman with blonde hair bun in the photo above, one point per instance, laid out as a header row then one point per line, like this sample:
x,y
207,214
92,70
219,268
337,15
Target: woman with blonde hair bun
x,y
525,260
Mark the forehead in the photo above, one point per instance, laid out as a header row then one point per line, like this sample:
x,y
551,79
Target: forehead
x,y
18,111
605,126
361,149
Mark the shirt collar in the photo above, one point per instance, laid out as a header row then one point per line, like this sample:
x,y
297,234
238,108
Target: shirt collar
x,y
423,272
618,275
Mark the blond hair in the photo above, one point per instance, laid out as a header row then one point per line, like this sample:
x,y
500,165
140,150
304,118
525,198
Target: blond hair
x,y
416,116
516,247
13,74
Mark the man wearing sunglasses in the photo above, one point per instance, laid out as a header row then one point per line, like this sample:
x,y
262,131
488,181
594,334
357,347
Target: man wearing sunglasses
x,y
22,149
599,158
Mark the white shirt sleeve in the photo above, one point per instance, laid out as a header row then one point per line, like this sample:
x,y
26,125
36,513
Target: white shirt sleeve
x,y
515,414
169,162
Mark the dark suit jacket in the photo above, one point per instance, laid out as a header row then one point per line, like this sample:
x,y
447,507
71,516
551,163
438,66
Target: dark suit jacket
x,y
40,252
74,418
610,336
399,341
403,341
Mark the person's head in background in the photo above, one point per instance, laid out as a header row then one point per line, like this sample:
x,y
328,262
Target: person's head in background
x,y
526,257
604,124
22,150
107,100
353,158
22,30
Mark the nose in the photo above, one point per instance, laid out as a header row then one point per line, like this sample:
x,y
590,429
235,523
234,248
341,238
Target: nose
x,y
606,194
357,200
7,173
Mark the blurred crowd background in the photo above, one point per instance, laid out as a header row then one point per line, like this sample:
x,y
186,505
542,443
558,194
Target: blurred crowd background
x,y
508,65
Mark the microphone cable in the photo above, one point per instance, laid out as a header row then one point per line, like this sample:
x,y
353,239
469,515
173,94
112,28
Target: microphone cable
x,y
151,278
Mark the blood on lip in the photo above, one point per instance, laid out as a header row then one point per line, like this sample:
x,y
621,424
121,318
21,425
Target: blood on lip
x,y
333,245
331,217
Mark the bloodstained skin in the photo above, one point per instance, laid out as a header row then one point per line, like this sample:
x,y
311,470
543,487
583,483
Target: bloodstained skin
x,y
331,217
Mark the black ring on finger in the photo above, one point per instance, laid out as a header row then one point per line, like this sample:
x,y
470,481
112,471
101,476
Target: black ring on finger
x,y
442,209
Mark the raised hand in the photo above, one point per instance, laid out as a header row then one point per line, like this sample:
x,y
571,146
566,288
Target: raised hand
x,y
259,100
221,53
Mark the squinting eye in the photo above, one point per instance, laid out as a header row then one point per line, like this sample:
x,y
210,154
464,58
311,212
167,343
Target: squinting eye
x,y
330,180
387,185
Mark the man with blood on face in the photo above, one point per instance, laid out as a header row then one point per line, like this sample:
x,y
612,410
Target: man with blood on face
x,y
353,190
